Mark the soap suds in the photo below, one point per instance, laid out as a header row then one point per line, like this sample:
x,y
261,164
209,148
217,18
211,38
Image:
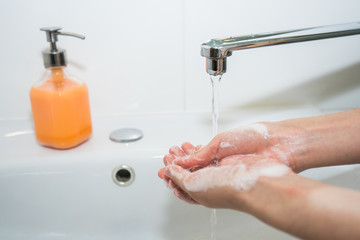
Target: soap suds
x,y
280,155
239,176
259,128
256,128
289,146
225,145
176,151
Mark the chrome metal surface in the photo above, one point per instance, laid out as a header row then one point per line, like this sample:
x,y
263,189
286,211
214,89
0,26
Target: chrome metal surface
x,y
221,48
123,175
54,57
215,66
126,135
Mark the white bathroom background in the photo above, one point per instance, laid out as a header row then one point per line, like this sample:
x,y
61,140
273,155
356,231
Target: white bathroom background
x,y
143,57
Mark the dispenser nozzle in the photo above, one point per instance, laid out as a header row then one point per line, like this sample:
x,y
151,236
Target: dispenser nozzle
x,y
56,57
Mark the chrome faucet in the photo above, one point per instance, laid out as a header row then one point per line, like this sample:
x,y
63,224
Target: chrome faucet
x,y
217,50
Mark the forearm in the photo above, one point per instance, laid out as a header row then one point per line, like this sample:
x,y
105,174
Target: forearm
x,y
305,208
326,140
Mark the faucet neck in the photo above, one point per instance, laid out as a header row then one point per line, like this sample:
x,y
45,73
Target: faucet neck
x,y
217,50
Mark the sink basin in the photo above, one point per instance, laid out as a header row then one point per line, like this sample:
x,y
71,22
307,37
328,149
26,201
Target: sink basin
x,y
109,190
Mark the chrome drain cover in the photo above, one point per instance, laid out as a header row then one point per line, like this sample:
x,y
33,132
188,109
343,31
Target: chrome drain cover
x,y
125,135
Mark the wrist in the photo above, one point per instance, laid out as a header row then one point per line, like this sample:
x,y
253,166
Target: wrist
x,y
317,141
305,208
275,200
291,143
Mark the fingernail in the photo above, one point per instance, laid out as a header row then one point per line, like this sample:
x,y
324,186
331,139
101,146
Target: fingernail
x,y
175,150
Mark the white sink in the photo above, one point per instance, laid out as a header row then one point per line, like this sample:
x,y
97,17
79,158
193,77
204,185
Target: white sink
x,y
70,194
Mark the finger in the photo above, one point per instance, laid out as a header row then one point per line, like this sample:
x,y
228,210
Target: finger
x,y
231,160
177,174
195,168
184,196
188,148
169,183
176,151
168,159
203,158
161,173
198,147
177,191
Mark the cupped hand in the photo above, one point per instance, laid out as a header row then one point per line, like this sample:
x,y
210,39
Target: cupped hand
x,y
269,140
252,139
218,185
228,160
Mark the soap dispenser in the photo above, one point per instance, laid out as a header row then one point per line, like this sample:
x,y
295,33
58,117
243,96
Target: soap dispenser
x,y
59,102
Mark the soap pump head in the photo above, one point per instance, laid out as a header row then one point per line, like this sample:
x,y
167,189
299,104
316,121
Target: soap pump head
x,y
54,57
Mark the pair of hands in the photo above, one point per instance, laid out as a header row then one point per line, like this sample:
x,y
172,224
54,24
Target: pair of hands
x,y
231,163
252,169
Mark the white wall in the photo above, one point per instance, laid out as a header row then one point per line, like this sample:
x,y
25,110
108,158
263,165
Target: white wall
x,y
144,56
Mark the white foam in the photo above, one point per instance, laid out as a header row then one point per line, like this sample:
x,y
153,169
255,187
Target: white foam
x,y
258,128
225,145
238,176
175,150
277,170
281,155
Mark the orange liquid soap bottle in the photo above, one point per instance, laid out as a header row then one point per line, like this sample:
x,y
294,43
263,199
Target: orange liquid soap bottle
x,y
60,103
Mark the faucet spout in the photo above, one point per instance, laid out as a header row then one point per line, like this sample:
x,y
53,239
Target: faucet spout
x,y
217,50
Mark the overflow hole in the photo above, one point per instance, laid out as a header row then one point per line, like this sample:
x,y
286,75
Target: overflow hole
x,y
123,175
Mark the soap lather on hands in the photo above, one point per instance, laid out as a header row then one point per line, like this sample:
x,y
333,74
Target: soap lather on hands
x,y
232,161
253,169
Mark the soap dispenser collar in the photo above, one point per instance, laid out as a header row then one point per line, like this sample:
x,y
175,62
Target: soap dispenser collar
x,y
55,57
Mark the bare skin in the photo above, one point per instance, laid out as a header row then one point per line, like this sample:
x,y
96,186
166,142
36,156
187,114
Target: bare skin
x,y
300,206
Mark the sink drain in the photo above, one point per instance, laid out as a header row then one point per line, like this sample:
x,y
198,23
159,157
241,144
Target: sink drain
x,y
123,175
126,135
